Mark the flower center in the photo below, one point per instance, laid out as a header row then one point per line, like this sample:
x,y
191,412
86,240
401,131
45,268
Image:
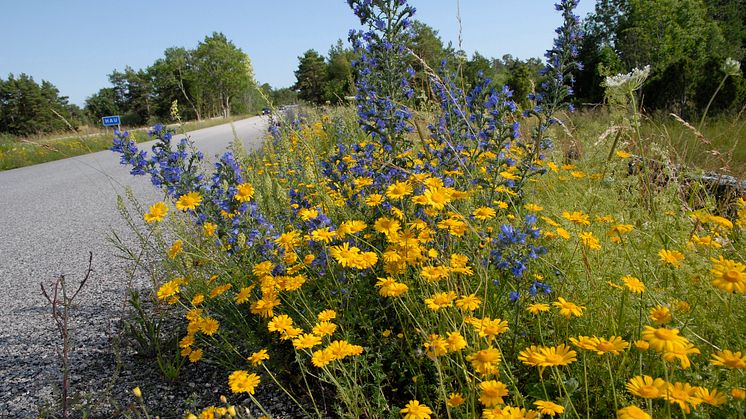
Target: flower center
x,y
731,275
665,334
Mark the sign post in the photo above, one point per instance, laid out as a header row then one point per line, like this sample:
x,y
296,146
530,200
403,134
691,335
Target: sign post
x,y
110,121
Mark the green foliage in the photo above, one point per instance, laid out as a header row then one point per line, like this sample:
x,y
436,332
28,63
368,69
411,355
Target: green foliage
x,y
311,77
224,75
214,79
28,108
684,41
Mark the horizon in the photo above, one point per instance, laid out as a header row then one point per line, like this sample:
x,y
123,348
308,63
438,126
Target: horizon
x,y
79,66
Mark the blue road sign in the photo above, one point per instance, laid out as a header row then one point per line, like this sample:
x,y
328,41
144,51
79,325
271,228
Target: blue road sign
x,y
110,120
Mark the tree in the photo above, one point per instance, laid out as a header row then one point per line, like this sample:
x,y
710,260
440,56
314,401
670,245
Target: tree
x,y
223,72
102,103
478,64
311,77
29,108
340,79
174,79
427,47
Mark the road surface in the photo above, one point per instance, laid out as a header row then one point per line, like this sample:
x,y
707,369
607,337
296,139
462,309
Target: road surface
x,y
51,216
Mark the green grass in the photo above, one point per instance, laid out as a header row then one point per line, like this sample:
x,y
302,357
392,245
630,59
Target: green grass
x,y
18,152
721,147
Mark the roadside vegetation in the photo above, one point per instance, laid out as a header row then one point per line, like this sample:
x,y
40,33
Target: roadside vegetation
x,y
475,253
18,152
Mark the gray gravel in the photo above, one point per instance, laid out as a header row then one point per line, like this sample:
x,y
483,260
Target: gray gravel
x,y
51,216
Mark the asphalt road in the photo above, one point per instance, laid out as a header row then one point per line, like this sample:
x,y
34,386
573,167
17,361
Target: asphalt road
x,y
51,216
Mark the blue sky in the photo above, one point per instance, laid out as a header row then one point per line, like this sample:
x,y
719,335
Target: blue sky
x,y
75,43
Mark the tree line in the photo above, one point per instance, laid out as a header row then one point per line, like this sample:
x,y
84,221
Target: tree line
x,y
27,107
686,43
215,78
330,79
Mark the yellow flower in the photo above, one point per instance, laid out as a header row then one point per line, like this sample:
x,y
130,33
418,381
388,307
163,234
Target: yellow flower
x,y
555,356
550,221
671,257
705,241
169,289
390,288
243,382
489,328
576,217
646,387
288,240
440,300
415,410
434,273
435,346
728,359
492,393
209,326
533,207
738,393
589,240
631,412
195,355
243,295
549,408
437,197
729,275
156,212
219,290
189,201
663,339
713,398
633,284
327,315
244,192
468,302
209,229
306,341
387,226
622,154
613,345
258,357
324,328
484,213
321,358
307,214
345,255
568,309
455,342
399,190
537,308
660,314
175,249
485,361
563,233
531,356
455,400
137,392
280,323
585,342
374,200
683,395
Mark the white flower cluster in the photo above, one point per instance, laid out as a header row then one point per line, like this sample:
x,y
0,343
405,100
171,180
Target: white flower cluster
x,y
631,81
731,67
